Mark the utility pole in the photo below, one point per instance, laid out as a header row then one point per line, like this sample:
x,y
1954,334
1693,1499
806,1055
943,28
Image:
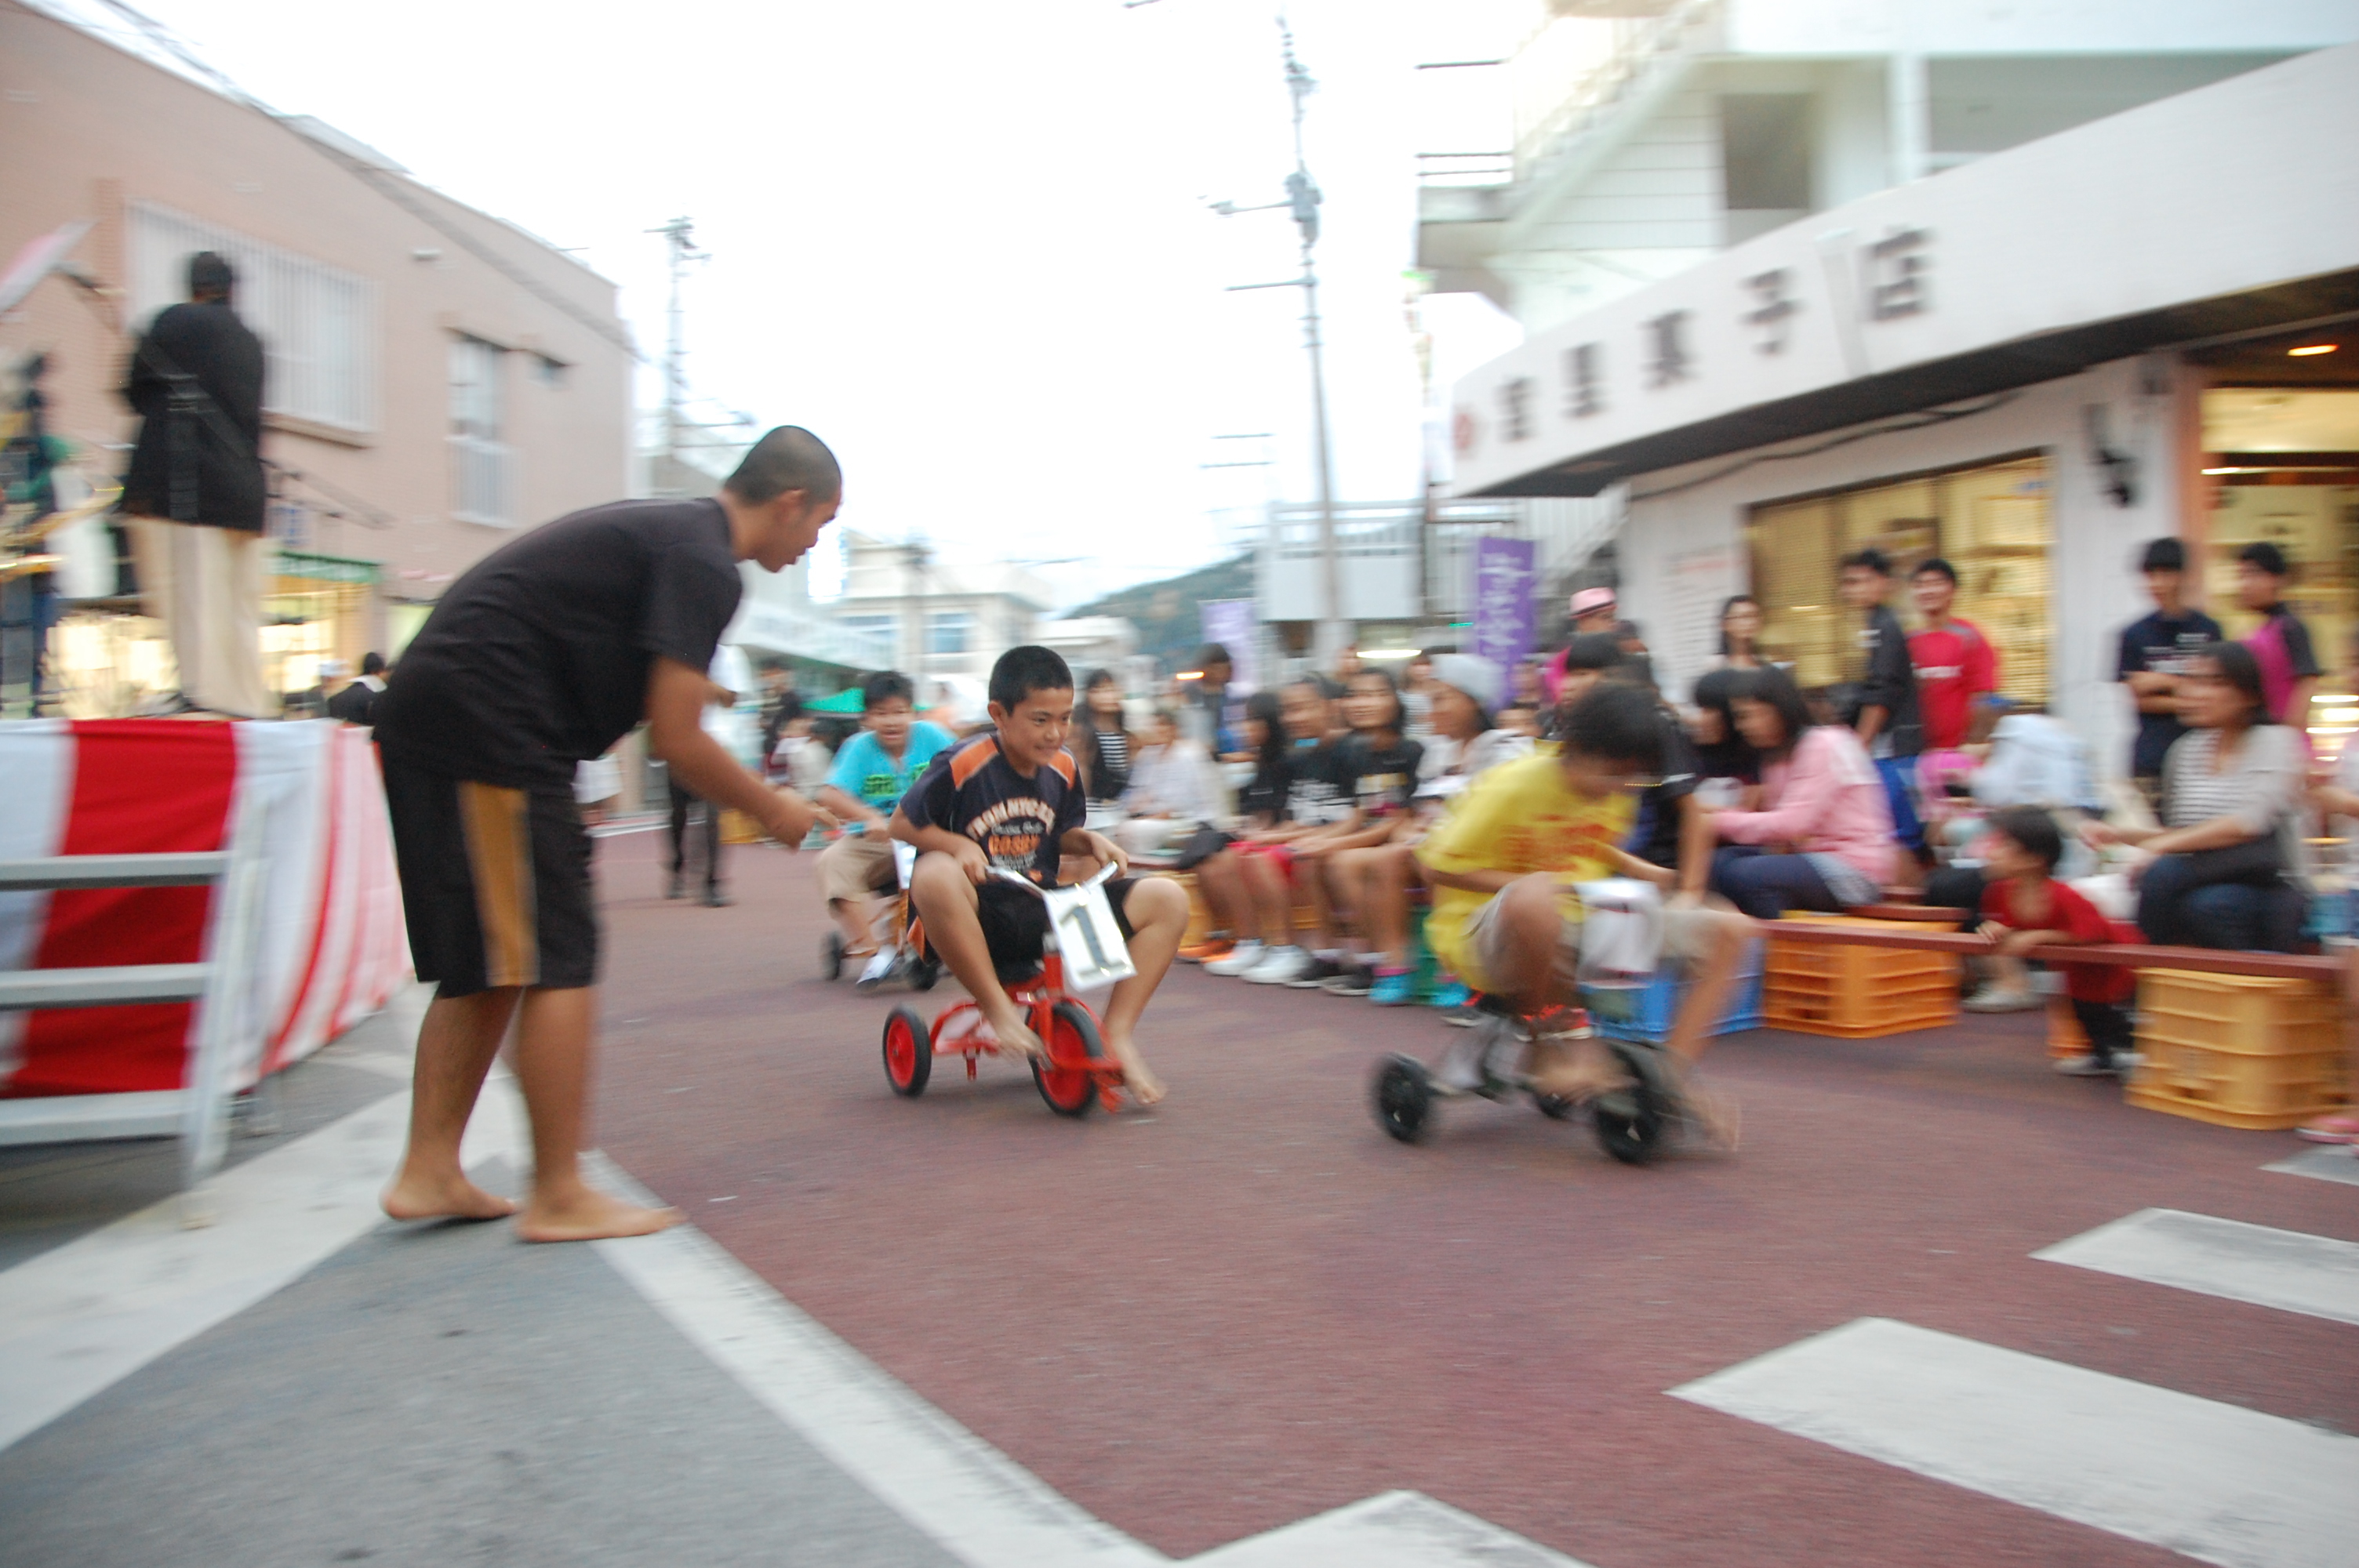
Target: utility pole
x,y
684,251
1302,198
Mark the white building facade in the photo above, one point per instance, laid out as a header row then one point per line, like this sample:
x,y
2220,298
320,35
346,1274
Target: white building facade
x,y
2028,364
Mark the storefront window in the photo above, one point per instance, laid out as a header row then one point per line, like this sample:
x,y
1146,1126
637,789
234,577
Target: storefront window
x,y
2286,460
1990,523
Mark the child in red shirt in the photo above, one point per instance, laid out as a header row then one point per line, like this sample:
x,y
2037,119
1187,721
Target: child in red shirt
x,y
2025,908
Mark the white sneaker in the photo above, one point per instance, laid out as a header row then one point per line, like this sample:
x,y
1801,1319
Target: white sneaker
x,y
1281,966
1245,957
2000,998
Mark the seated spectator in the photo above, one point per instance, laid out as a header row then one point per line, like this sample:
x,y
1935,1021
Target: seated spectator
x,y
2232,787
1253,885
1174,791
1378,879
1822,840
2027,909
1726,762
1101,744
2339,798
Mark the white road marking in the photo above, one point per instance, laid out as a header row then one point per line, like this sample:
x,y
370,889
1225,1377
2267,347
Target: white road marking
x,y
78,1319
2328,1163
81,1317
2217,1482
1391,1530
2282,1268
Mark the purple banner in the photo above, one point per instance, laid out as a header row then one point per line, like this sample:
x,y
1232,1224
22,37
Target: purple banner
x,y
1503,600
1230,623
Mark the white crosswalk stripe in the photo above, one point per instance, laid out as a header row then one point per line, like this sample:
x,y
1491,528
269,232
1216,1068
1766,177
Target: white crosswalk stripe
x,y
2281,1268
2216,1481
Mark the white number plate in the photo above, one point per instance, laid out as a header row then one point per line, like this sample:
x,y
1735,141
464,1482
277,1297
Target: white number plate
x,y
1081,924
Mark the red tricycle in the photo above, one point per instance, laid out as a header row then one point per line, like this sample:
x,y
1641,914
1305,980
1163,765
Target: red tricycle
x,y
1078,1073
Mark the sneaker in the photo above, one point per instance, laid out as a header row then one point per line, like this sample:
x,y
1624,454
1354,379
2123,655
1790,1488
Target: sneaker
x,y
1449,995
1282,967
1998,999
1210,948
1354,980
1465,1016
1395,988
1321,971
1240,957
2342,1126
2087,1067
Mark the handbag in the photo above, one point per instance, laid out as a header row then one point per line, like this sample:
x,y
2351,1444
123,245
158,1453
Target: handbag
x,y
2255,862
1201,846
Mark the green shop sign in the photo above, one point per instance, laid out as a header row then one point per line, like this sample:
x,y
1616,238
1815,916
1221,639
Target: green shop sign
x,y
326,568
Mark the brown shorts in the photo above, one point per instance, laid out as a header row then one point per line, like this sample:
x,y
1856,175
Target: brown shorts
x,y
1688,935
857,866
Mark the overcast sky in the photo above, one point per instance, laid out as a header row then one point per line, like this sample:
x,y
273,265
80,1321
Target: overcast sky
x,y
965,242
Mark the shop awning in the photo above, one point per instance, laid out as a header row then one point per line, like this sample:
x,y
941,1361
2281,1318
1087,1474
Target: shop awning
x,y
2212,214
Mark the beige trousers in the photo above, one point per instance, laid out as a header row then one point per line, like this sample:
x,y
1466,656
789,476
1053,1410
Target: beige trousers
x,y
205,585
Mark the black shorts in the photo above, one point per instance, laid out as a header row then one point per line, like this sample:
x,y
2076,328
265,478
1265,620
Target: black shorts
x,y
1015,924
495,882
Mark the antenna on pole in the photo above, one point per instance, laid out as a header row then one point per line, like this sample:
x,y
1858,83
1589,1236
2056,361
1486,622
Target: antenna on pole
x,y
684,251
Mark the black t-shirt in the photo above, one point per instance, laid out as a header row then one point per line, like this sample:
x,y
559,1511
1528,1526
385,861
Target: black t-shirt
x,y
1262,798
1316,792
538,656
1378,780
2163,644
1890,684
1020,823
1655,837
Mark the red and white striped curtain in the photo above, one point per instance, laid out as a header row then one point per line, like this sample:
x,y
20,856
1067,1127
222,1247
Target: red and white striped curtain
x,y
331,949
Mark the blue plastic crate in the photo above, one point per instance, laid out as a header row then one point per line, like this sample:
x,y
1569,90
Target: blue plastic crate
x,y
1648,1018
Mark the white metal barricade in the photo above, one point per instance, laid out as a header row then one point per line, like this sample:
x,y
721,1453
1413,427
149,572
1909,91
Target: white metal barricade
x,y
199,1111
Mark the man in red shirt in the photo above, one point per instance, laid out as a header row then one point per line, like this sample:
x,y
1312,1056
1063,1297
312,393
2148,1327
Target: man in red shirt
x,y
1953,660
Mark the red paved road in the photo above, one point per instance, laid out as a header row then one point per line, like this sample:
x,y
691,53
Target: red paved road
x,y
1251,1306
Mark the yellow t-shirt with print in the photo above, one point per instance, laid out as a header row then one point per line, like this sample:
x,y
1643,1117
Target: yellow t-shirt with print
x,y
1517,818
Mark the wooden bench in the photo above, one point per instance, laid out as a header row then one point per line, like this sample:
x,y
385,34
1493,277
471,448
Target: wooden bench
x,y
2119,955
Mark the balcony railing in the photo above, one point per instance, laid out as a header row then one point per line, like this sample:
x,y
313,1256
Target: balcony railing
x,y
1564,82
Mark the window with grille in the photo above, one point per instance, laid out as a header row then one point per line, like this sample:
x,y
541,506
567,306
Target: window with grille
x,y
480,460
886,627
1991,523
318,324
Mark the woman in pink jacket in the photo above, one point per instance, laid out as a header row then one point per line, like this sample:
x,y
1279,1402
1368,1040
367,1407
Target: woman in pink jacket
x,y
1823,839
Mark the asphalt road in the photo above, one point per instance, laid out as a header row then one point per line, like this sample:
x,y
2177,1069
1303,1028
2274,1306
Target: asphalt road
x,y
1250,1305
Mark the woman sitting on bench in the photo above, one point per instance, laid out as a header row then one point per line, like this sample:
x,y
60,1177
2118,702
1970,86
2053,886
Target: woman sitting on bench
x,y
1822,840
2227,849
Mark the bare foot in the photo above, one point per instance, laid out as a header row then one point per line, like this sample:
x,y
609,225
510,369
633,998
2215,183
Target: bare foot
x,y
1015,1038
1145,1087
589,1215
452,1196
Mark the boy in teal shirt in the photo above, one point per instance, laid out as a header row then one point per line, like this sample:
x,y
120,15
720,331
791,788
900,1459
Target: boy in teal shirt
x,y
862,787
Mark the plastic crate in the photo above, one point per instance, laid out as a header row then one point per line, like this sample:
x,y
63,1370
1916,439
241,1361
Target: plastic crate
x,y
1856,992
1648,1016
2239,1050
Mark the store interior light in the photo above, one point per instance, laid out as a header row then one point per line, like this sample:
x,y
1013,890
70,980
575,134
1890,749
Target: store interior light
x,y
2340,715
2309,348
2333,697
1390,653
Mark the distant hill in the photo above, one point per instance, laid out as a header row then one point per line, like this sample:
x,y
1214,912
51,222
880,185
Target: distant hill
x,y
1164,612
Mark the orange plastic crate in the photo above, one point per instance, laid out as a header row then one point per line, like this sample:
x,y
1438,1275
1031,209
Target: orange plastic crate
x,y
2237,1050
1856,992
